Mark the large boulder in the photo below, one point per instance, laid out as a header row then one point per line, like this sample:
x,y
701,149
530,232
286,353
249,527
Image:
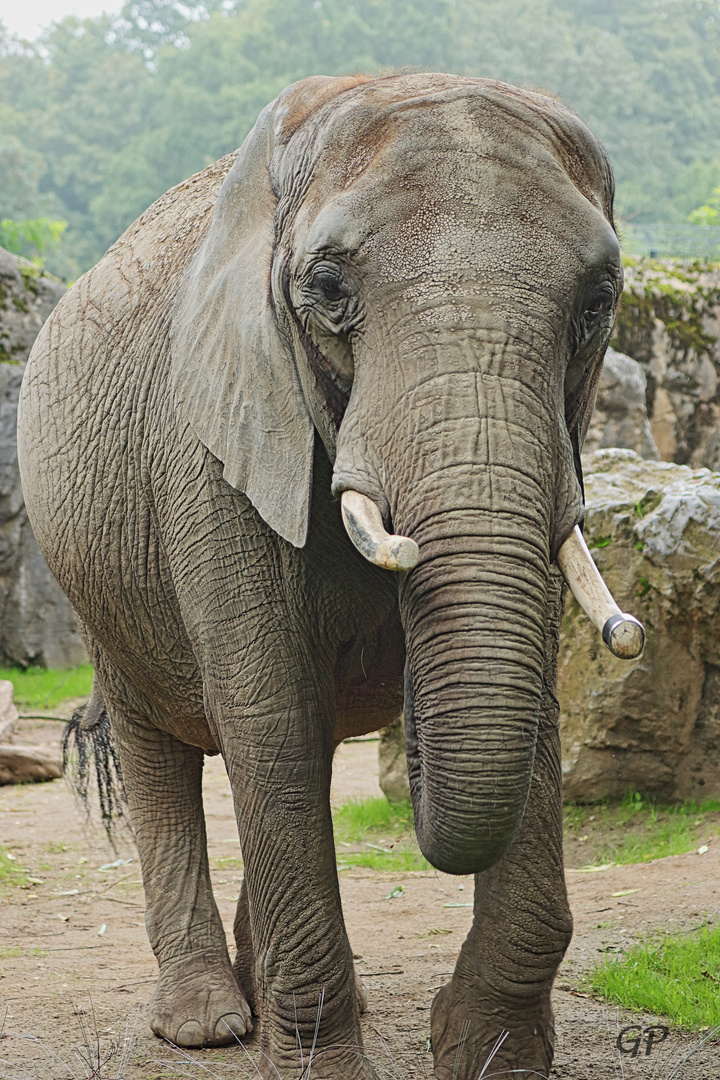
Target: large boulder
x,y
669,321
8,712
26,299
651,724
392,763
620,417
37,625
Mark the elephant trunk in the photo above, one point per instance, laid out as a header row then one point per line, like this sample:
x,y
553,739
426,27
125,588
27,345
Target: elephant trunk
x,y
474,614
469,466
623,634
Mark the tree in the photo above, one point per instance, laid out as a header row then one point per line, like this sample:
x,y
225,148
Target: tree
x,y
103,115
31,238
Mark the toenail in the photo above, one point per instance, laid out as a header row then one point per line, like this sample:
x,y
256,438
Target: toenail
x,y
190,1034
231,1024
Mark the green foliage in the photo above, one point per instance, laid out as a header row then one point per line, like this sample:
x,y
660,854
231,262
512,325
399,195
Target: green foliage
x,y
401,861
20,172
100,116
43,688
600,542
637,829
676,975
32,237
709,212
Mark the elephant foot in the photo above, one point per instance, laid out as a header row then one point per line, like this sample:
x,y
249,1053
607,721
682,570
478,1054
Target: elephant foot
x,y
199,1003
471,1038
347,1063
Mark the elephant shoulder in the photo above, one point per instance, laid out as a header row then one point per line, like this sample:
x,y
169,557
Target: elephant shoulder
x,y
170,230
153,253
107,314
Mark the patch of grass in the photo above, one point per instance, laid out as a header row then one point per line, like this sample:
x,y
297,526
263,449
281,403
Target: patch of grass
x,y
43,688
676,976
377,834
401,860
361,819
11,875
637,830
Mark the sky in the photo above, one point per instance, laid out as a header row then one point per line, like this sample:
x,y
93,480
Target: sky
x,y
27,18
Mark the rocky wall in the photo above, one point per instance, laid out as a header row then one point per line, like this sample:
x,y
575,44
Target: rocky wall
x,y
37,625
620,417
669,322
651,724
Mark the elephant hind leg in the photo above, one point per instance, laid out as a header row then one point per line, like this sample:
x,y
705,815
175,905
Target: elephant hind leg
x,y
197,1001
244,964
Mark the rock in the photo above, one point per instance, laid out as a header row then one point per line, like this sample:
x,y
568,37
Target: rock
x,y
669,321
620,417
653,724
8,712
37,625
393,764
26,299
27,765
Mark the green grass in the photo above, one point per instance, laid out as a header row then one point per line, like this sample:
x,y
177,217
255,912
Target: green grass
x,y
401,861
11,875
43,688
676,976
380,835
365,825
362,819
637,830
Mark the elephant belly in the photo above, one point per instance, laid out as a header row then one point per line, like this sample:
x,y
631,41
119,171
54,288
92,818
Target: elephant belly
x,y
369,682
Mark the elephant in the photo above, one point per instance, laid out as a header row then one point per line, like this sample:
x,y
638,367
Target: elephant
x,y
302,450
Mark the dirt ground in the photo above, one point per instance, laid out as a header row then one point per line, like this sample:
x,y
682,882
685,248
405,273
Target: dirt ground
x,y
405,943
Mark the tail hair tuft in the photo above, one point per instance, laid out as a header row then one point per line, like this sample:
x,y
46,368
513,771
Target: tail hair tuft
x,y
89,751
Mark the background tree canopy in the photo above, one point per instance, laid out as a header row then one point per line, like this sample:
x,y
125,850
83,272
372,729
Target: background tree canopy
x,y
100,116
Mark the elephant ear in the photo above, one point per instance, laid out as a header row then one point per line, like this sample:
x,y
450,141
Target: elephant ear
x,y
233,370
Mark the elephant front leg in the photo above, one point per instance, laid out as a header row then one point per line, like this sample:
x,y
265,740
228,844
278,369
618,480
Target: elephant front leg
x,y
500,990
197,1001
499,996
304,982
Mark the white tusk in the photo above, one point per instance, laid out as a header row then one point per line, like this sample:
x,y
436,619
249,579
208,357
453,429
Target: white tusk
x,y
364,526
623,634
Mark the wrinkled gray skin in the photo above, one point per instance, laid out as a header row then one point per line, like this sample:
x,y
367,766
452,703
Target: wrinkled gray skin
x,y
403,286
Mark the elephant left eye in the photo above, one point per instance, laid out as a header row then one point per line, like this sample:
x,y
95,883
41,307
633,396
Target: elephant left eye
x,y
600,304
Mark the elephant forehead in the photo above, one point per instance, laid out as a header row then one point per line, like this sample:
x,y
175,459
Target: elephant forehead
x,y
442,132
449,175
472,215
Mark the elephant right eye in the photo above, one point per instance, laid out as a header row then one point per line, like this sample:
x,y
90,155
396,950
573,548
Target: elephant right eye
x,y
329,283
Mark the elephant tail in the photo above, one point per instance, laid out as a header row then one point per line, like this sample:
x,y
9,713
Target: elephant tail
x,y
89,753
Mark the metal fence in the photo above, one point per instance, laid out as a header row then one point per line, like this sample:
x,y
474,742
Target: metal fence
x,y
681,241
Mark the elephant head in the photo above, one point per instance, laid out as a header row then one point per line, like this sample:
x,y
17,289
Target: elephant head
x,y
423,269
